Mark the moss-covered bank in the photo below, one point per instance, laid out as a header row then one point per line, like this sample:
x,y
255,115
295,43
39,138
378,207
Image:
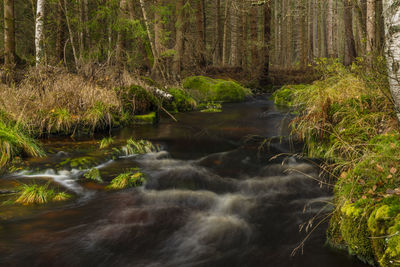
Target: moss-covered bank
x,y
347,119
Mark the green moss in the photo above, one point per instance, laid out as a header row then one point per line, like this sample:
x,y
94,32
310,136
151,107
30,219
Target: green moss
x,y
128,179
208,89
355,233
150,118
81,163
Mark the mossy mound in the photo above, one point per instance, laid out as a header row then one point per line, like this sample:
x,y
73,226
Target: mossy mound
x,y
206,89
182,101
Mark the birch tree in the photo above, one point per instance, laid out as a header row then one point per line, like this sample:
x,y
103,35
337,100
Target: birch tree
x,y
39,31
392,39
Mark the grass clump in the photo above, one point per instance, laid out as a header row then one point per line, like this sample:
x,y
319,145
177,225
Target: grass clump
x,y
348,119
139,147
207,89
14,141
94,175
212,107
131,178
151,118
106,142
39,194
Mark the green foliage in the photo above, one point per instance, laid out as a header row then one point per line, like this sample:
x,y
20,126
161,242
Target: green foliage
x,y
94,175
131,178
206,89
81,163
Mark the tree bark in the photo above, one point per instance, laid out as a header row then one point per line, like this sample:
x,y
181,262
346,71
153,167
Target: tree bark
x,y
350,53
254,36
218,33
39,24
9,34
60,33
392,40
329,29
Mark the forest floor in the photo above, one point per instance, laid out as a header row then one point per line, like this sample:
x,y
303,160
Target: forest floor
x,y
347,118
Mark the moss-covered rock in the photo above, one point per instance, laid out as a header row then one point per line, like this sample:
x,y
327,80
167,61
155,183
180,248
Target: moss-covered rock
x,y
355,233
207,89
182,101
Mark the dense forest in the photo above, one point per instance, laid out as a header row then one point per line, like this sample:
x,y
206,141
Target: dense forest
x,y
194,132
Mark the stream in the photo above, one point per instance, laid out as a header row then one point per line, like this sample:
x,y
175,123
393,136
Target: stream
x,y
215,196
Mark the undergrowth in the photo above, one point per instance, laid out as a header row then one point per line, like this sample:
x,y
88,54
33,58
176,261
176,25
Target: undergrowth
x,y
348,119
131,178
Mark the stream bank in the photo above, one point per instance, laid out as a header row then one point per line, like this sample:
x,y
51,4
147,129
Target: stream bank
x,y
347,120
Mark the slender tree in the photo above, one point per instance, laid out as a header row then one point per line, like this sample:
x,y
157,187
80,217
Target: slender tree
x,y
9,34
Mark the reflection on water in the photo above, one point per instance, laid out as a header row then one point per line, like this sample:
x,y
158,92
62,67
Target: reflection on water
x,y
211,199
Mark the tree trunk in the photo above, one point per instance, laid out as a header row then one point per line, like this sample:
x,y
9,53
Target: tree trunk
x,y
234,34
329,29
201,49
254,35
218,33
9,34
71,34
370,26
123,15
179,40
392,39
225,35
39,24
60,33
350,53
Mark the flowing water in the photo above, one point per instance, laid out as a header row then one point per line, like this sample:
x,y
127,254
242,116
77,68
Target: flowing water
x,y
213,197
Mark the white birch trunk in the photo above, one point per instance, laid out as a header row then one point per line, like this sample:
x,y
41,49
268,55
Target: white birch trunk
x,y
392,38
39,31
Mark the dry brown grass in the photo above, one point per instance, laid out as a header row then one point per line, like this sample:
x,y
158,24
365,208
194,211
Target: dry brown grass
x,y
53,100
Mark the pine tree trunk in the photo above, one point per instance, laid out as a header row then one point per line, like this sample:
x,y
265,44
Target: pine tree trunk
x,y
254,36
179,39
225,35
370,26
201,50
60,33
350,53
39,24
9,34
234,34
218,33
329,29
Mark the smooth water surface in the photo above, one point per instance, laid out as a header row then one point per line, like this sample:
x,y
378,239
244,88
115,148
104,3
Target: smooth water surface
x,y
213,197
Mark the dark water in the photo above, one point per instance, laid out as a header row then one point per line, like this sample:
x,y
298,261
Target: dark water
x,y
213,198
